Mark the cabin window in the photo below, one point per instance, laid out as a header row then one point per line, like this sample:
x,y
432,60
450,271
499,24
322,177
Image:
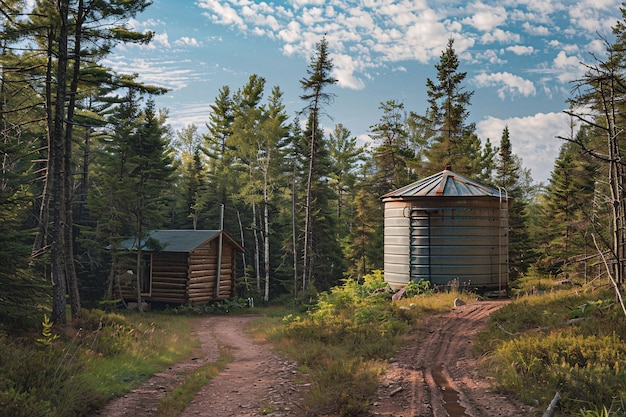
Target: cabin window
x,y
146,274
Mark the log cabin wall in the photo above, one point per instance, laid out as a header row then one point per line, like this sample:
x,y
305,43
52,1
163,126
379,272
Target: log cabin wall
x,y
203,270
169,278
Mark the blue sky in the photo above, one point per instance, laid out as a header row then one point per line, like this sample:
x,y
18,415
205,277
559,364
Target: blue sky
x,y
521,57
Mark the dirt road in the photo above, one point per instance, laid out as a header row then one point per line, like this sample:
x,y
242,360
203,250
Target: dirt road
x,y
257,383
435,375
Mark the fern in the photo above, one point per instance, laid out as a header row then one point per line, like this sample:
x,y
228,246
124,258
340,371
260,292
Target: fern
x,y
48,335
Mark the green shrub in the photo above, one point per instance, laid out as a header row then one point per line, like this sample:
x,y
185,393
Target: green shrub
x,y
535,349
24,404
417,288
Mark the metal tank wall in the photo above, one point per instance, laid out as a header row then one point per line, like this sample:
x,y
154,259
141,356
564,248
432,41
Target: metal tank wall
x,y
440,239
396,243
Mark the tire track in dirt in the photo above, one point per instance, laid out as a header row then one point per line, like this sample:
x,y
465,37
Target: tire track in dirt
x,y
437,362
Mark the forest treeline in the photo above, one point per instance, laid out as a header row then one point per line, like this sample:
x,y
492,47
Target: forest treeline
x,y
87,161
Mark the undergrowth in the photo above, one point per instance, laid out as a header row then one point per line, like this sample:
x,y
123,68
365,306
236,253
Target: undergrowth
x,y
66,372
344,340
571,341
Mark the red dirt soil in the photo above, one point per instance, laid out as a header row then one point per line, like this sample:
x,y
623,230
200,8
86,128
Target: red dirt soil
x,y
421,380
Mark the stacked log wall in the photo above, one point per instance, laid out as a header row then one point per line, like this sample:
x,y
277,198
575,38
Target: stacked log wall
x,y
169,277
203,271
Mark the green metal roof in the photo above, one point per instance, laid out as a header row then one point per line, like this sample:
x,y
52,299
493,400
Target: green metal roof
x,y
174,240
444,184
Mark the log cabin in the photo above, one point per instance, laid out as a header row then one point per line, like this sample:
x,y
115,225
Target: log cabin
x,y
181,266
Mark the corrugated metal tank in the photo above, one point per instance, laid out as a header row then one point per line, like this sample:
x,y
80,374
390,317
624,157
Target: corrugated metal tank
x,y
447,227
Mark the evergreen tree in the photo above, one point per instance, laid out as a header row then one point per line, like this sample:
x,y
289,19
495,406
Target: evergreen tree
x,y
345,155
245,168
392,153
568,211
62,39
453,141
189,207
273,133
135,178
219,152
316,195
514,181
598,105
365,252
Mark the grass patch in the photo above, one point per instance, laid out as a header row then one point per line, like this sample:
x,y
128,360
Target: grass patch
x,y
101,357
175,403
567,341
119,356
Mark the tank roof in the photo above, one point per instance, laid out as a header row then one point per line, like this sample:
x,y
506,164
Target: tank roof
x,y
444,184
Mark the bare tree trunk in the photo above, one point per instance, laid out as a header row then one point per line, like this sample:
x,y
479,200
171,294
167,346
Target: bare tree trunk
x,y
306,252
616,178
266,240
294,229
72,279
139,262
243,245
58,176
257,250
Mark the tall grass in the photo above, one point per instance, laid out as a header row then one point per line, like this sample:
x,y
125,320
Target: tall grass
x,y
567,341
103,356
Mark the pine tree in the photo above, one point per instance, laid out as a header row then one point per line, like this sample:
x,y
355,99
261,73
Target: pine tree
x,y
514,182
135,176
345,155
219,152
273,133
392,153
65,37
569,208
453,141
598,105
318,80
189,208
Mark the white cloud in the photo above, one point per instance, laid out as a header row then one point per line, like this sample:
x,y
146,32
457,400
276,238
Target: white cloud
x,y
535,30
188,114
533,138
521,49
187,41
501,36
156,72
508,84
291,34
160,39
344,71
586,15
489,55
485,17
221,12
567,68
